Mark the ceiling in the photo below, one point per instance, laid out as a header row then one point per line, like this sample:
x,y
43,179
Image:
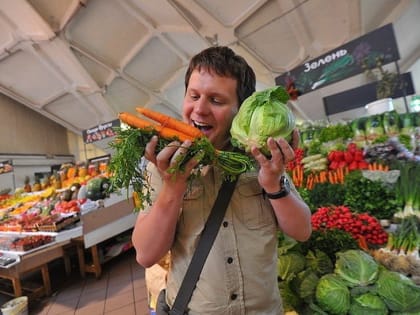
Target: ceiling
x,y
81,62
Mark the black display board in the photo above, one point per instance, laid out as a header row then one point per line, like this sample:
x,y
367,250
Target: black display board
x,y
344,61
360,96
102,131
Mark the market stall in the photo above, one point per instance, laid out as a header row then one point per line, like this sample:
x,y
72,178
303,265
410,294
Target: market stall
x,y
73,214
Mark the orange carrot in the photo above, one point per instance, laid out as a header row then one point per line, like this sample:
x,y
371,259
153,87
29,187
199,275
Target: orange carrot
x,y
164,132
295,177
331,177
301,175
170,122
361,241
309,181
323,176
341,175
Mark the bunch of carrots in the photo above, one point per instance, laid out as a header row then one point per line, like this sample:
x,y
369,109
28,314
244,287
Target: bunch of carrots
x,y
167,127
129,146
376,166
300,179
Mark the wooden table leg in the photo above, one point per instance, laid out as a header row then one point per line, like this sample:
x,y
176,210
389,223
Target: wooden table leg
x,y
81,257
46,279
96,261
17,287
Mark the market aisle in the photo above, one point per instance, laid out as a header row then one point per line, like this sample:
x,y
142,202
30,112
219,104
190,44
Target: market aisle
x,y
120,290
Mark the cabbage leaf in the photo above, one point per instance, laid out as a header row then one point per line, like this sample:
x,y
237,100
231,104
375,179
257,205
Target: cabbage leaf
x,y
368,304
332,294
356,267
290,264
398,291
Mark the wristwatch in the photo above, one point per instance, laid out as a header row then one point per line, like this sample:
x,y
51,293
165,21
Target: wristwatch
x,y
284,189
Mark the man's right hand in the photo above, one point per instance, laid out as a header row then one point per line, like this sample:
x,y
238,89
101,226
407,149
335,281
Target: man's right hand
x,y
166,159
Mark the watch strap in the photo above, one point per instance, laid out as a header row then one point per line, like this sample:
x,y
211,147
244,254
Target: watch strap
x,y
283,192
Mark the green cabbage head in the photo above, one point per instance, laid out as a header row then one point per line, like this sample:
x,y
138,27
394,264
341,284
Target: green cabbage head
x,y
332,294
368,304
356,267
399,292
262,115
290,264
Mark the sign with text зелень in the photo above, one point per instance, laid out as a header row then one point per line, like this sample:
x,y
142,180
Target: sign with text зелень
x,y
344,61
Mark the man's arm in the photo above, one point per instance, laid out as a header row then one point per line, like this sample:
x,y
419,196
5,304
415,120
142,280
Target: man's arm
x,y
154,230
292,213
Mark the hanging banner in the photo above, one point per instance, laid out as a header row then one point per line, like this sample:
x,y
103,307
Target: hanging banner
x,y
100,132
343,62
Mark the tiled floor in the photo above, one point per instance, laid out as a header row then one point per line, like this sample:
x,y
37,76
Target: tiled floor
x,y
121,290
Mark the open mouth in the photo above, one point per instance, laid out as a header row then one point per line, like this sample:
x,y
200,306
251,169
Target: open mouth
x,y
202,126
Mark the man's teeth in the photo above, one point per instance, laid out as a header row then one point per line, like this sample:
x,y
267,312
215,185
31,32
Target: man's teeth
x,y
201,126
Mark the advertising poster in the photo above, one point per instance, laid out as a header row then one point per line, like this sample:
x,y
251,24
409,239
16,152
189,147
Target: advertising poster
x,y
343,62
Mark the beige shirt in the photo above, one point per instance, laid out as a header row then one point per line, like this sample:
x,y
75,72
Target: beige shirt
x,y
240,274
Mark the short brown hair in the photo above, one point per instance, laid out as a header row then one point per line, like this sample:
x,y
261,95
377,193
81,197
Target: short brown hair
x,y
225,62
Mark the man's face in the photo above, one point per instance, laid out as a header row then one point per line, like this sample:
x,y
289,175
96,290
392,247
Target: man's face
x,y
210,103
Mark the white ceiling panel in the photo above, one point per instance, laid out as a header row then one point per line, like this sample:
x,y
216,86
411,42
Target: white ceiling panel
x,y
55,13
153,65
37,83
229,13
25,21
186,43
78,110
99,72
267,41
107,30
7,40
124,96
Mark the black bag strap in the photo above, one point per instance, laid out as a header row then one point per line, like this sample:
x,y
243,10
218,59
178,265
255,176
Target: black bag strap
x,y
203,248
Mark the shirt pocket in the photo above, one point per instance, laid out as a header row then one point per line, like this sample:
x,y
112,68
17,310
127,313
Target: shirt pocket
x,y
254,210
192,217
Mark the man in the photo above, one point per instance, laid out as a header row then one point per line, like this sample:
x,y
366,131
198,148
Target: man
x,y
240,273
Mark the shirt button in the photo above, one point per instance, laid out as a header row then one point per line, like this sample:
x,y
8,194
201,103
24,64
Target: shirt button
x,y
230,260
233,296
225,224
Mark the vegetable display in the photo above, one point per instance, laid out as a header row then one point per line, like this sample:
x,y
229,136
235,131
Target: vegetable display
x,y
372,196
262,115
361,226
401,252
129,147
359,285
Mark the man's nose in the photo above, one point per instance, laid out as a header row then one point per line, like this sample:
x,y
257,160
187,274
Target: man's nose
x,y
201,106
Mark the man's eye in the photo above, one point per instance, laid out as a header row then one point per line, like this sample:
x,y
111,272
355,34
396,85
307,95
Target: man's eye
x,y
216,101
194,97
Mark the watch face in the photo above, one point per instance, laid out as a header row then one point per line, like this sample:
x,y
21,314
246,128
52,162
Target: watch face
x,y
285,184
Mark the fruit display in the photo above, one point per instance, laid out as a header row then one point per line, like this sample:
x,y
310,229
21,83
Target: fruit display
x,y
52,209
25,242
